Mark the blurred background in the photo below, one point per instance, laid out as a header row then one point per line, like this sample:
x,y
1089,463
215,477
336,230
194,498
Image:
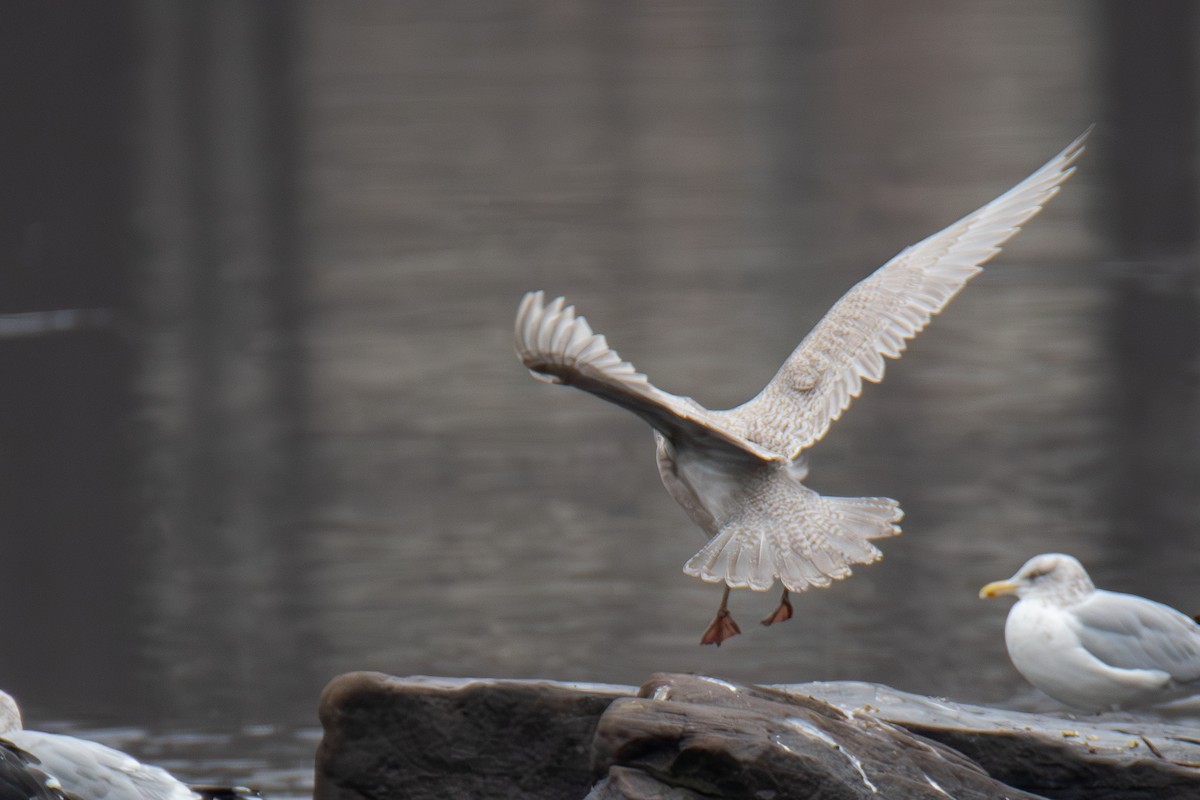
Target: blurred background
x,y
276,429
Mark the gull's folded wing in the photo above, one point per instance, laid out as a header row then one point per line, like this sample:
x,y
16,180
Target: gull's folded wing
x,y
1131,632
558,346
877,317
92,770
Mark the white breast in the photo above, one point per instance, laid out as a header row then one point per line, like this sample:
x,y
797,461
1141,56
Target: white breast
x,y
709,485
1045,650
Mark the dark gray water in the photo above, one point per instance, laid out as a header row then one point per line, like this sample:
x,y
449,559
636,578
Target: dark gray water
x,y
302,444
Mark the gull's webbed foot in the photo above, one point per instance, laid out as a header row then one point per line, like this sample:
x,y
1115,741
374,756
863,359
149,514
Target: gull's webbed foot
x,y
781,614
722,627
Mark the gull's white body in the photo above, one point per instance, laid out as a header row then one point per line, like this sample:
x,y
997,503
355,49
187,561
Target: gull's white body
x,y
1045,648
738,473
89,769
1093,649
92,770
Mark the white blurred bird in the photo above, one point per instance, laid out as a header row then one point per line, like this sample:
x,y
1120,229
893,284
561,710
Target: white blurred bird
x,y
92,771
1093,649
22,778
738,473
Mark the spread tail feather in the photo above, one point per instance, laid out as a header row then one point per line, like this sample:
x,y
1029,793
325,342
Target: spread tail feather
x,y
789,532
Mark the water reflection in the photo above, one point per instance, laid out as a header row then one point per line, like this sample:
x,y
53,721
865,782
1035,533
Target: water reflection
x,y
327,457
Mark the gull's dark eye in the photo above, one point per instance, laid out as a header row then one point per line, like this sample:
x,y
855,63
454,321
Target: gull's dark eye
x,y
1037,573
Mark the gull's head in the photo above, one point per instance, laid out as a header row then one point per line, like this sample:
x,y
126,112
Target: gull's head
x,y
10,715
1053,577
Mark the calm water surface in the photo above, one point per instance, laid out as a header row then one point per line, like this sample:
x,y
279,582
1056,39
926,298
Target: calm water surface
x,y
306,447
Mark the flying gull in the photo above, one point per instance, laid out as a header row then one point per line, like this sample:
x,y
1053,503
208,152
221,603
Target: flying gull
x,y
739,473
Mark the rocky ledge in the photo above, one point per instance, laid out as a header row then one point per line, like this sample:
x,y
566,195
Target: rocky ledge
x,y
686,737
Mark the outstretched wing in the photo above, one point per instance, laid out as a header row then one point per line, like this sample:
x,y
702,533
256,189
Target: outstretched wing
x,y
1130,632
877,317
558,346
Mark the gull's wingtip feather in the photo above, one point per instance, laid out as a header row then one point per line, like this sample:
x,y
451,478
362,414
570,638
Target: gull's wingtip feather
x,y
1071,153
552,339
529,301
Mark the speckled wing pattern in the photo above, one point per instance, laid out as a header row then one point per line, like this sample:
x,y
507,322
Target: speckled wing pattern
x,y
1129,632
557,345
877,317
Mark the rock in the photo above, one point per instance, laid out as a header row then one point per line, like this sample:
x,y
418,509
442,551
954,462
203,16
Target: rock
x,y
1123,756
693,737
623,783
685,737
388,738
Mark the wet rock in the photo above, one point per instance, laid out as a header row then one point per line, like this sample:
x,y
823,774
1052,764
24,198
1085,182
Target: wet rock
x,y
1124,756
687,736
387,738
623,783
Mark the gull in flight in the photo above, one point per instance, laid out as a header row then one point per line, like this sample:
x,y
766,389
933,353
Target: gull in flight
x,y
1093,649
739,473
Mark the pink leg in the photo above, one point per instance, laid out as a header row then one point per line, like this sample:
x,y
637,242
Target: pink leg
x,y
781,614
722,627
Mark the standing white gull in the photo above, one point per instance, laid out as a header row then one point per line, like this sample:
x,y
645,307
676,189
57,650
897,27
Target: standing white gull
x,y
738,473
1093,649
